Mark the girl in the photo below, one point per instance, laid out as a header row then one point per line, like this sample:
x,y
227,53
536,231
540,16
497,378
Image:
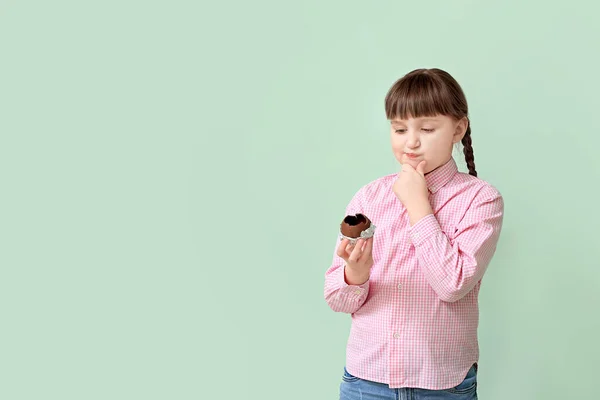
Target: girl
x,y
412,289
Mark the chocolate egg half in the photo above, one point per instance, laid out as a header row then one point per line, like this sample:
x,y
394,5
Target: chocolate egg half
x,y
353,225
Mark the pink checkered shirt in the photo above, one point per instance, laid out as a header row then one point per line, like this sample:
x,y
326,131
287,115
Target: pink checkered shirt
x,y
414,322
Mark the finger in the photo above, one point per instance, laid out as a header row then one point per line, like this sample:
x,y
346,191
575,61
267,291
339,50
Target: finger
x,y
406,167
421,167
349,247
368,250
356,252
341,249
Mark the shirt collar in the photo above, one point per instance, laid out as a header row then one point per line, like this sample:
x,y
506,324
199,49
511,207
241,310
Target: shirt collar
x,y
440,176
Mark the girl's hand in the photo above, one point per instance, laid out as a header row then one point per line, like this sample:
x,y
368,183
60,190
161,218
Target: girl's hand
x,y
359,259
411,187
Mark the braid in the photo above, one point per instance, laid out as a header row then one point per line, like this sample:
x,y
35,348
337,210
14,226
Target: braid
x,y
468,151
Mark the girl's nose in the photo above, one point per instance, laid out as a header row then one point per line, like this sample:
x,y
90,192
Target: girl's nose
x,y
413,141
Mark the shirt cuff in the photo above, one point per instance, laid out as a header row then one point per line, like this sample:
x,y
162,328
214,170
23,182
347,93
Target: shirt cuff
x,y
424,229
356,290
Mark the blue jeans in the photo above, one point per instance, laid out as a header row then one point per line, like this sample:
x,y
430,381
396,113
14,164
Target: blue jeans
x,y
353,388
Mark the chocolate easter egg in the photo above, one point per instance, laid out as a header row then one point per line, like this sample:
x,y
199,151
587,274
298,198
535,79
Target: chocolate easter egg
x,y
353,225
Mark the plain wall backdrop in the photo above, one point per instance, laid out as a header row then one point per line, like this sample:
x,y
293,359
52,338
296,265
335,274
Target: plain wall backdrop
x,y
174,174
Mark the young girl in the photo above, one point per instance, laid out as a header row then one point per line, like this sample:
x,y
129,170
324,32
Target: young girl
x,y
412,289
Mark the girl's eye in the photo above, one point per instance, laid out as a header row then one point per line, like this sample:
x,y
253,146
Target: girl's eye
x,y
424,130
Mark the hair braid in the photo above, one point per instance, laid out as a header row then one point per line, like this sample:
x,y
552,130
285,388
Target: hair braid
x,y
468,151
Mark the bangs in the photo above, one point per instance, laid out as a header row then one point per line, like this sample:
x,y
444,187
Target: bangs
x,y
420,94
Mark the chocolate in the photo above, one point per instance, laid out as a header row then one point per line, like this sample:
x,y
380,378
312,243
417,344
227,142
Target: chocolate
x,y
356,226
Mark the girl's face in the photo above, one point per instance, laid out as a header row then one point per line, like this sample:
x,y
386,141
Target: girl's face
x,y
426,138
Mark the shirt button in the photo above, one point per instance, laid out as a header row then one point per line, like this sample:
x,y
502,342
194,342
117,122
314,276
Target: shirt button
x,y
357,291
399,286
396,335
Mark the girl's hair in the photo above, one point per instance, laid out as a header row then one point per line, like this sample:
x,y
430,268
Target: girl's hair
x,y
426,93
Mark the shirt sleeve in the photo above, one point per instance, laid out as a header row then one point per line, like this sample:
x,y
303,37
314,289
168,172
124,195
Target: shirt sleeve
x,y
454,266
339,295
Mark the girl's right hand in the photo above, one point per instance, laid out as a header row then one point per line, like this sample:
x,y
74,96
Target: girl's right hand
x,y
359,258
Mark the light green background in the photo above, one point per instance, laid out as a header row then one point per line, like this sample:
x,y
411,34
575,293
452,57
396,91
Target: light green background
x,y
174,174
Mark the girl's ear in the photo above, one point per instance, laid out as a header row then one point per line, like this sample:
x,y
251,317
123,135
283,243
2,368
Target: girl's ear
x,y
461,129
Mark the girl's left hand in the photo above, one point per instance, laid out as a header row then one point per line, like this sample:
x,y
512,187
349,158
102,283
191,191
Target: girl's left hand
x,y
411,187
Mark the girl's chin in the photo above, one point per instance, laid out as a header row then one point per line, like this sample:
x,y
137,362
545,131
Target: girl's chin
x,y
413,163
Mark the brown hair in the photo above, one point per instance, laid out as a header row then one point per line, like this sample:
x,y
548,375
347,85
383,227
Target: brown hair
x,y
429,92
